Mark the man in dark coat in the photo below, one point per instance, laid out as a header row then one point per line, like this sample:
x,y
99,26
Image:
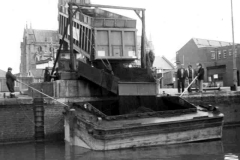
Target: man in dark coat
x,y
200,77
47,76
181,75
10,78
56,75
190,76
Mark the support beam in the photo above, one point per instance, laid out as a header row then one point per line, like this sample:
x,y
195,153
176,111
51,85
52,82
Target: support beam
x,y
61,43
234,55
72,55
107,6
143,40
137,12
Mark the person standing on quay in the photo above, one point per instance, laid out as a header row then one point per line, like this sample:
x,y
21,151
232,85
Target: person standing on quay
x,y
200,77
47,76
181,75
190,76
10,78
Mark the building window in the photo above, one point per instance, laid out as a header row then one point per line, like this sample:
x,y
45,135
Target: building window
x,y
224,54
219,54
213,55
230,52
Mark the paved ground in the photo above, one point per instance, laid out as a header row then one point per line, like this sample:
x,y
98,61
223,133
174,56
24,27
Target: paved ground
x,y
174,91
171,91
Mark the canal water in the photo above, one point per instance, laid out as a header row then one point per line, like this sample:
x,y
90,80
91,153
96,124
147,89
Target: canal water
x,y
226,149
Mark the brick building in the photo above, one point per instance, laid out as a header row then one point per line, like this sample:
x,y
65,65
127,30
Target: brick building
x,y
37,46
215,56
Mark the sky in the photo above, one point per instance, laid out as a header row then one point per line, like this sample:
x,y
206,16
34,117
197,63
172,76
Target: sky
x,y
169,23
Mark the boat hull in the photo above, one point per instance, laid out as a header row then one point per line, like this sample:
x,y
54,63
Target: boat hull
x,y
94,136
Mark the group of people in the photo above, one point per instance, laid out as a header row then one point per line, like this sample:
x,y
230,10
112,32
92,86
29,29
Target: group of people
x,y
190,74
48,76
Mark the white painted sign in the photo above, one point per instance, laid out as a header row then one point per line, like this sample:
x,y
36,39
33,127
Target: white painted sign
x,y
101,53
131,54
210,79
76,33
215,76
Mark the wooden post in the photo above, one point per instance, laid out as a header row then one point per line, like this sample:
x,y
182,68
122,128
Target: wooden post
x,y
235,85
143,40
72,55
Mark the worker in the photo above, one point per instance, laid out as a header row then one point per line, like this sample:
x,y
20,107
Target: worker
x,y
10,78
47,76
200,77
56,75
190,76
181,76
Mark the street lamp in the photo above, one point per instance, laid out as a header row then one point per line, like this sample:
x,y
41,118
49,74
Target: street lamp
x,y
234,56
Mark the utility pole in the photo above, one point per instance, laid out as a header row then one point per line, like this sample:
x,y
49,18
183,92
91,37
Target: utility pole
x,y
143,46
234,56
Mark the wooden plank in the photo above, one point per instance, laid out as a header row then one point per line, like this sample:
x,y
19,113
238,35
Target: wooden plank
x,y
143,41
90,43
87,42
123,44
80,36
77,40
109,44
108,6
137,88
84,38
117,29
95,43
135,44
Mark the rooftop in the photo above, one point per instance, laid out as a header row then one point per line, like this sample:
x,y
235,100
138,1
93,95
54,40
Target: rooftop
x,y
201,43
43,35
162,63
2,73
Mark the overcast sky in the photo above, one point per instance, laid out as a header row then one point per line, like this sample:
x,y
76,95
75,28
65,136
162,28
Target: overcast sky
x,y
171,23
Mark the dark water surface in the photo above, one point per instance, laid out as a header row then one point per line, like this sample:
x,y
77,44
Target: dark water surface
x,y
227,148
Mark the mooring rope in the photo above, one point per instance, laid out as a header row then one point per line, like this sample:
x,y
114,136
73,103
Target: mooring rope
x,y
44,94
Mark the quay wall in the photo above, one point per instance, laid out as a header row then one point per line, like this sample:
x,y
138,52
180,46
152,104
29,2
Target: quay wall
x,y
17,121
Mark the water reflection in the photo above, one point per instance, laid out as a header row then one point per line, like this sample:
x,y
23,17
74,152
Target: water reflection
x,y
186,151
230,156
226,149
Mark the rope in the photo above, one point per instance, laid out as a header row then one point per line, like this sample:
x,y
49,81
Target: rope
x,y
188,86
44,94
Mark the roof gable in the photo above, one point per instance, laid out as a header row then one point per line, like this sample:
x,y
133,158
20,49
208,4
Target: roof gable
x,y
2,73
210,43
162,63
35,35
45,35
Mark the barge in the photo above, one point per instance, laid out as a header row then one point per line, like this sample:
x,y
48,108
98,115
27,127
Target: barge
x,y
122,123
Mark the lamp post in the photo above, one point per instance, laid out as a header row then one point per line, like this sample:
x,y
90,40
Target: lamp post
x,y
234,56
